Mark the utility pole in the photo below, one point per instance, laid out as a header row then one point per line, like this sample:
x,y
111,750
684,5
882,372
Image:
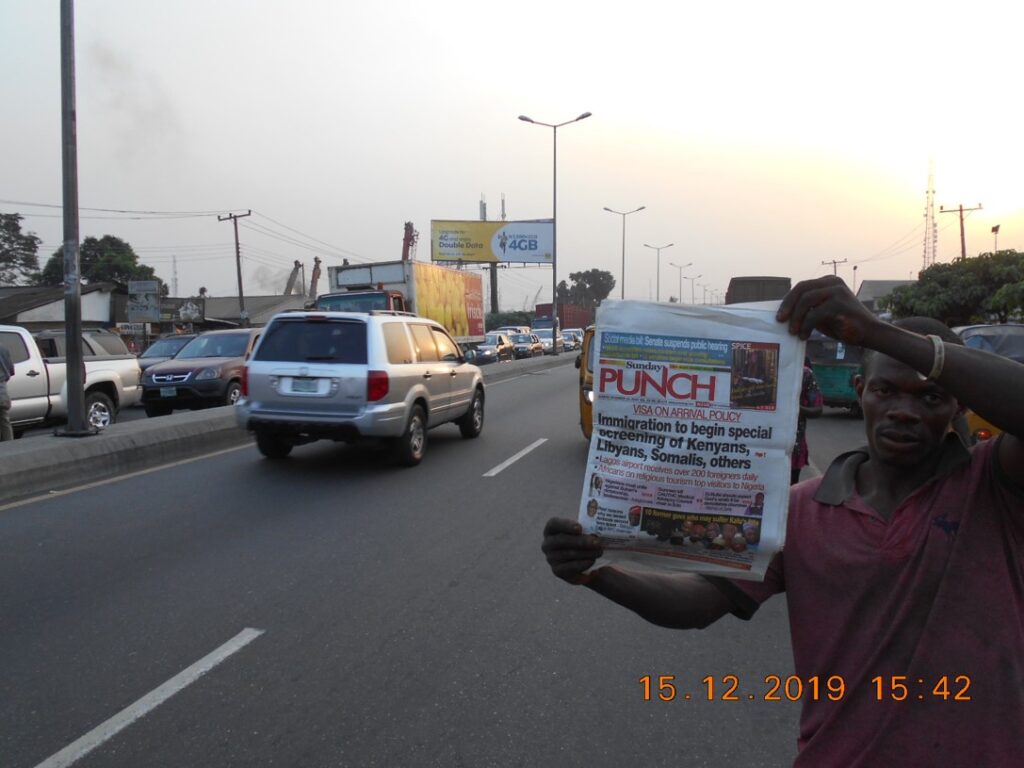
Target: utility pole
x,y
961,209
174,275
238,264
77,425
834,264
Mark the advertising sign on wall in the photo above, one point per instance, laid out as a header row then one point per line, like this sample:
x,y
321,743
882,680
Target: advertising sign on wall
x,y
143,301
492,241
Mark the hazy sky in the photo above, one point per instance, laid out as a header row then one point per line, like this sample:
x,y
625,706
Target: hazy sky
x,y
763,138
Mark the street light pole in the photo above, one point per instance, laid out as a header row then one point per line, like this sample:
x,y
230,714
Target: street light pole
x,y
692,281
554,217
680,267
624,214
659,249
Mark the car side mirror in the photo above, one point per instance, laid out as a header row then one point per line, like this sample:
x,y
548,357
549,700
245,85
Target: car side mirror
x,y
578,361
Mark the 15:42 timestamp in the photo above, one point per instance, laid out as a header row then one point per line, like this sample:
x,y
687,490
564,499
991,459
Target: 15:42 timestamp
x,y
902,688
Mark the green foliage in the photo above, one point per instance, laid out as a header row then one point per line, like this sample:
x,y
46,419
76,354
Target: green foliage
x,y
588,288
106,260
979,290
19,252
498,319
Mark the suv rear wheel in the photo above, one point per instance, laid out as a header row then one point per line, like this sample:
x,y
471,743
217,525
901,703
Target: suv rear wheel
x,y
409,448
273,446
472,423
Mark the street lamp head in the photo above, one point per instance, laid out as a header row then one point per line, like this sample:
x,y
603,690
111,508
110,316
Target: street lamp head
x,y
526,119
584,116
642,207
609,209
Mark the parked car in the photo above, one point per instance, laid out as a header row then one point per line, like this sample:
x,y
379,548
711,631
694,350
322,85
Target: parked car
x,y
38,389
576,337
545,336
495,348
526,345
164,349
352,376
207,372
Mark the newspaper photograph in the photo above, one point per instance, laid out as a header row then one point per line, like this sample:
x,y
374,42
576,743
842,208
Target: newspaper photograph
x,y
695,414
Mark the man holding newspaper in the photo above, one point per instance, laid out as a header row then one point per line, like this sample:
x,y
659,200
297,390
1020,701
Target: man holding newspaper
x,y
902,563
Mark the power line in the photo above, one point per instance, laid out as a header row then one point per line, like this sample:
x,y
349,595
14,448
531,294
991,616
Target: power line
x,y
117,210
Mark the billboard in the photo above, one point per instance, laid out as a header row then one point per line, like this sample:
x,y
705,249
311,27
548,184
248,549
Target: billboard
x,y
492,241
143,301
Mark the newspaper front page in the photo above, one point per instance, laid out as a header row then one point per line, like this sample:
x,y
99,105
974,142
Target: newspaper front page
x,y
695,413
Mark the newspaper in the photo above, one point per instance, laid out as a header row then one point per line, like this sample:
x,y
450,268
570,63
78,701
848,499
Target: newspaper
x,y
695,414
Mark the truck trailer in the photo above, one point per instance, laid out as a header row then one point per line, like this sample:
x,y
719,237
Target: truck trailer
x,y
569,316
452,297
744,289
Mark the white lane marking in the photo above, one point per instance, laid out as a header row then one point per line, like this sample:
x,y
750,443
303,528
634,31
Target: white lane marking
x,y
94,738
509,462
119,478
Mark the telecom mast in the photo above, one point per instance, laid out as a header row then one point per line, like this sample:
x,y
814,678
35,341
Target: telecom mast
x,y
931,230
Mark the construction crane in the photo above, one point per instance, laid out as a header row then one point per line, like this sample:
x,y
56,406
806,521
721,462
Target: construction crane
x,y
291,278
409,240
315,278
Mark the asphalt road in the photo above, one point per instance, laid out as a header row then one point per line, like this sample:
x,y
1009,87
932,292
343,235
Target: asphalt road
x,y
401,617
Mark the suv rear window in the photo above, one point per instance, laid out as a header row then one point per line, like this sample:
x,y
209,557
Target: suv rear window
x,y
300,340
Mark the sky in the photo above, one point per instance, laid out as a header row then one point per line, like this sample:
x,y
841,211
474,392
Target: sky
x,y
762,138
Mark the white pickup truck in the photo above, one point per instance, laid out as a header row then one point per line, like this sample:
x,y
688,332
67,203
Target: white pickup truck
x,y
38,388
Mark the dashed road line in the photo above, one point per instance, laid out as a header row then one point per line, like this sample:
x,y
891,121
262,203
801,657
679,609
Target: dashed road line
x,y
101,733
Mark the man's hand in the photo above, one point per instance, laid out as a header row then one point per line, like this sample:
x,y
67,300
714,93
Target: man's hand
x,y
568,551
828,305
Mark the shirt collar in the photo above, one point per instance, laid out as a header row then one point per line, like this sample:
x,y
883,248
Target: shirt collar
x,y
840,480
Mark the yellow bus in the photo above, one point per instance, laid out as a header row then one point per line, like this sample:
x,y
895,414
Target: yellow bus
x,y
585,364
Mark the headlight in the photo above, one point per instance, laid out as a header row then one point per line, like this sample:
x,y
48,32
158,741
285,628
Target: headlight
x,y
589,393
208,373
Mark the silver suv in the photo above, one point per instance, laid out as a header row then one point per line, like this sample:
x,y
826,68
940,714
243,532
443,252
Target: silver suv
x,y
353,375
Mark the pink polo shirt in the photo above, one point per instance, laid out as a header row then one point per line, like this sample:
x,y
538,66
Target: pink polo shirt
x,y
932,599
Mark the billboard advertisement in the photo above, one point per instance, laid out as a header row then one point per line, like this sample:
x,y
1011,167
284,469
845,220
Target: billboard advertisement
x,y
492,241
451,297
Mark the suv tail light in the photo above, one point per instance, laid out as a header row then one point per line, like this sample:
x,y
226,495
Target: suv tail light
x,y
376,385
245,381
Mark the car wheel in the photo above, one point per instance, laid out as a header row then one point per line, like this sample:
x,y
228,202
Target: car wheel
x,y
272,445
99,410
472,423
155,409
234,391
409,448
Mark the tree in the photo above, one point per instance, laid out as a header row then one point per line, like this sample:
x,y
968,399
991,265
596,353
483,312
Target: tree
x,y
19,253
106,260
965,291
588,288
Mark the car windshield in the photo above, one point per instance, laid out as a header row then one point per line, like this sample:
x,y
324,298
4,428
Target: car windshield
x,y
215,345
522,338
544,333
491,339
166,347
1007,341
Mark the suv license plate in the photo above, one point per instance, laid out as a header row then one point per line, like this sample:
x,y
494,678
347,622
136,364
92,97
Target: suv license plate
x,y
304,385
168,391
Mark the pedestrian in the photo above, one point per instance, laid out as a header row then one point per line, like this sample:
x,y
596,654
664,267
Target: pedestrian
x,y
6,372
902,565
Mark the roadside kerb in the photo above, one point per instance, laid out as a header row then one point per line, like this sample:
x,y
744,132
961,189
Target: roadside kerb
x,y
31,467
